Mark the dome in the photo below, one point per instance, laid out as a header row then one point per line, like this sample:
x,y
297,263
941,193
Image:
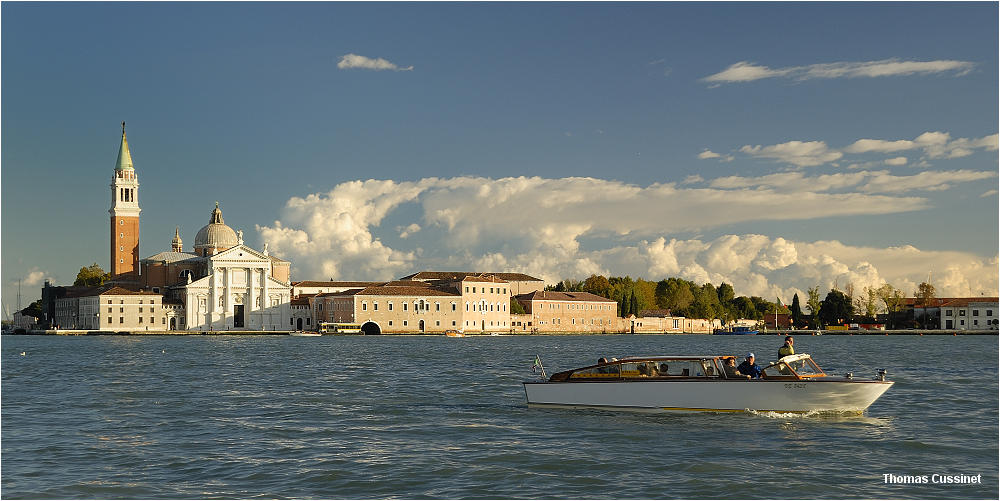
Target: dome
x,y
215,235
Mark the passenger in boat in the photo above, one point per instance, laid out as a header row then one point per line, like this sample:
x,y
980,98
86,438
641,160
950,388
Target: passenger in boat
x,y
749,368
663,370
788,348
730,366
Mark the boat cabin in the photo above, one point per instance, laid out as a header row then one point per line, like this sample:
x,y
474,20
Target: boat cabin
x,y
799,366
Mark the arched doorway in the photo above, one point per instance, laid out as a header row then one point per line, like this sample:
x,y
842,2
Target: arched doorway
x,y
298,324
371,329
421,326
173,324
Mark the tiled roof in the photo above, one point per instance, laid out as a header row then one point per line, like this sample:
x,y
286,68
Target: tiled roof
x,y
966,301
493,279
110,290
348,292
315,283
458,275
405,291
276,259
302,300
654,313
561,296
171,257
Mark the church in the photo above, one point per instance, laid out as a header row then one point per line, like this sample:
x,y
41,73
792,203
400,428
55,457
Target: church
x,y
222,285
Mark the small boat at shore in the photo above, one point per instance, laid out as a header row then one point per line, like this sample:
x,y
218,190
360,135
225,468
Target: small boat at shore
x,y
736,331
453,333
706,384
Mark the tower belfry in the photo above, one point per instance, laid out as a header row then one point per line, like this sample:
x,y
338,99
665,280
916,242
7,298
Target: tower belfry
x,y
124,216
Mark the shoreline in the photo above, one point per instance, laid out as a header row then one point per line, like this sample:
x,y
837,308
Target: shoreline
x,y
893,332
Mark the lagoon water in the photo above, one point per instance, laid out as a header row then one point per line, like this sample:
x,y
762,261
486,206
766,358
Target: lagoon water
x,y
435,417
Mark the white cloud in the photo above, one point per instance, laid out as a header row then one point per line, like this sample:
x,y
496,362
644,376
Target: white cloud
x,y
812,153
744,71
800,153
34,278
537,226
354,61
881,181
988,193
409,230
708,154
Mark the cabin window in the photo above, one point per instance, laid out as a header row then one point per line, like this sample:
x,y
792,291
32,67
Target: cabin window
x,y
602,371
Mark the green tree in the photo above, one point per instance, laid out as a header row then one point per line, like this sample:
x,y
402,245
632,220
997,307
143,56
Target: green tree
x,y
814,306
597,284
516,308
674,294
925,298
91,276
634,303
892,298
34,309
796,310
745,308
836,308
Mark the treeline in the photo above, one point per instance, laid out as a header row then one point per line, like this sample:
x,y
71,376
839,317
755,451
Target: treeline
x,y
683,298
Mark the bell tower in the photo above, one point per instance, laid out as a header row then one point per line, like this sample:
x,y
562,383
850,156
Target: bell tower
x,y
124,217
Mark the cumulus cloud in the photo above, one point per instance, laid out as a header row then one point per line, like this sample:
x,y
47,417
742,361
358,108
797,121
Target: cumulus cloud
x,y
708,154
354,61
895,161
745,71
799,153
34,278
538,226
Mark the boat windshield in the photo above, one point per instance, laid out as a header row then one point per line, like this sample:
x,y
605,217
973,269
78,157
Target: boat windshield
x,y
797,365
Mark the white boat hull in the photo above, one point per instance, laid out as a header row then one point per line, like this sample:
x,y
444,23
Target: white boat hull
x,y
712,396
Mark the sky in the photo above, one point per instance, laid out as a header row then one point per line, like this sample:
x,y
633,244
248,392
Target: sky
x,y
772,146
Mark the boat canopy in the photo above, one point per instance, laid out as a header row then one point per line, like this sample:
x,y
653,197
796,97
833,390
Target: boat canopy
x,y
799,366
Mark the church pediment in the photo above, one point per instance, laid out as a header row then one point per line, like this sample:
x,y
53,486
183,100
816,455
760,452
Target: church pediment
x,y
240,253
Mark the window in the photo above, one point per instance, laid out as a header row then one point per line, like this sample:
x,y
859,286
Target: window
x,y
491,290
121,320
961,313
452,306
121,309
404,309
437,306
473,290
504,290
140,308
109,301
364,306
437,322
375,306
947,313
989,313
390,323
320,306
152,320
466,288
404,323
975,313
390,305
452,323
109,309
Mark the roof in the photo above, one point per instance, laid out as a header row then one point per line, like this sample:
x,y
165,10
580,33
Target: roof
x,y
493,279
216,233
314,283
562,296
404,291
110,290
654,313
966,301
124,157
171,257
302,300
458,275
275,259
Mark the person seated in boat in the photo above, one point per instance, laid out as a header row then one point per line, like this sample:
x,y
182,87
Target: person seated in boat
x,y
749,368
788,348
729,365
663,370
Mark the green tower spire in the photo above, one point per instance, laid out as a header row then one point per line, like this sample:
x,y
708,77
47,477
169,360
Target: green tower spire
x,y
124,157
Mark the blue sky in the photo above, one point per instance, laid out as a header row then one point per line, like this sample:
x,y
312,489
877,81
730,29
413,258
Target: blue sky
x,y
774,146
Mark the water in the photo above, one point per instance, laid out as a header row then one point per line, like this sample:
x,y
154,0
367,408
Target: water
x,y
435,417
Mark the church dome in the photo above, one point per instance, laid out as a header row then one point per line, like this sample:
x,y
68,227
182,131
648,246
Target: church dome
x,y
215,235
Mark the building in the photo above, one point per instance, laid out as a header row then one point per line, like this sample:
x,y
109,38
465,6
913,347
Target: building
x,y
124,217
312,287
112,308
550,311
467,303
970,313
518,283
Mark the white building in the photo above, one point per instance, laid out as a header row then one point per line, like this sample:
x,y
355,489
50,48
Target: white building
x,y
970,314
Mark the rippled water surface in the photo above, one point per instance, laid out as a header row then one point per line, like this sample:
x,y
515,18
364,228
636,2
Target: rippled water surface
x,y
435,417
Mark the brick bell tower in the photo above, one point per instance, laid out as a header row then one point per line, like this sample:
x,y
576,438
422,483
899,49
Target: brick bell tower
x,y
124,217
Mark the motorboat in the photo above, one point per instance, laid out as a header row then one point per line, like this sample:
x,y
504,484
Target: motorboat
x,y
794,383
454,333
736,331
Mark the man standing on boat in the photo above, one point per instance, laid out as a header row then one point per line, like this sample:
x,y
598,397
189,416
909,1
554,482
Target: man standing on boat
x,y
788,348
749,368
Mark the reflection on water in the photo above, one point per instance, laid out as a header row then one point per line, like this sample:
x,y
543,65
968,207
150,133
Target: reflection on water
x,y
418,417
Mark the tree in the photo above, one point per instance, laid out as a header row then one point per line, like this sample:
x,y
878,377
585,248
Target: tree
x,y
674,294
796,311
597,284
34,309
634,304
744,308
925,299
836,308
516,308
814,306
91,276
726,293
892,298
